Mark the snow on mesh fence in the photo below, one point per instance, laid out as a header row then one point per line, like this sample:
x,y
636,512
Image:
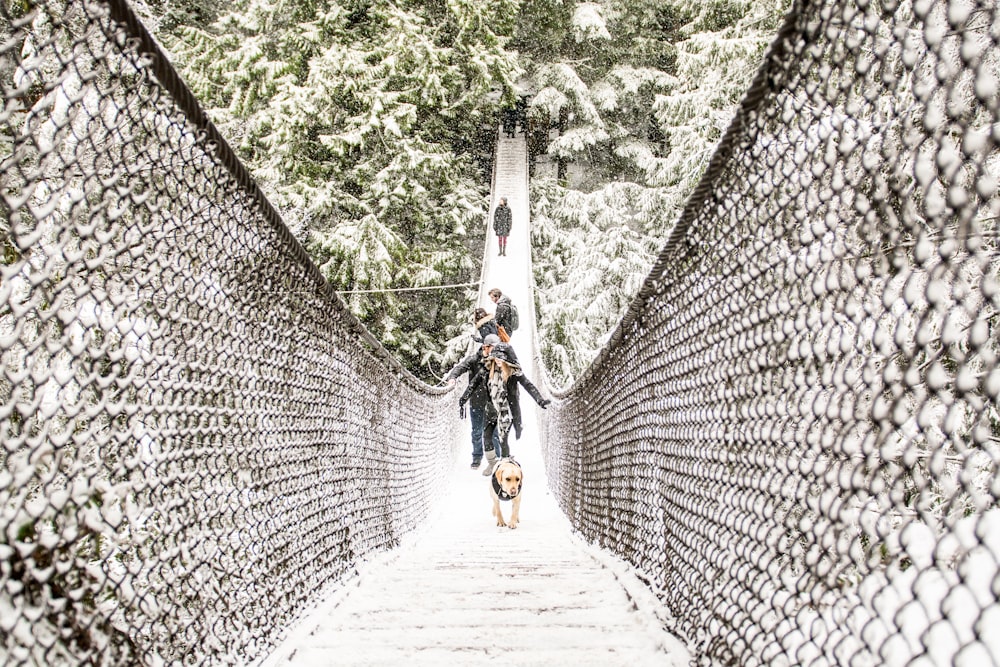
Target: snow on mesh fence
x,y
794,431
196,436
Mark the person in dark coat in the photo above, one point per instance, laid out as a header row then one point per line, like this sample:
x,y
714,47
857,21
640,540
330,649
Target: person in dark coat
x,y
500,372
502,316
505,352
485,324
503,220
509,121
521,111
477,401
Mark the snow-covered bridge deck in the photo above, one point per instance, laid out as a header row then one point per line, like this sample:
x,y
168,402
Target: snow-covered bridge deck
x,y
461,591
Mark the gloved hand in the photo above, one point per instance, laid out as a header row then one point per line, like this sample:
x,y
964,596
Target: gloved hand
x,y
545,403
461,410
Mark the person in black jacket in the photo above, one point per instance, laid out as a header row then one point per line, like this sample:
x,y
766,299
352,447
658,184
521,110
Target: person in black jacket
x,y
477,405
503,220
509,121
500,372
502,316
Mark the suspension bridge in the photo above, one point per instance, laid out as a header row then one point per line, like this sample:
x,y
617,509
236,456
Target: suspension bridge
x,y
785,454
462,591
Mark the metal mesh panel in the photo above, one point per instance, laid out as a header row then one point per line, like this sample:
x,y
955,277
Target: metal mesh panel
x,y
196,436
794,431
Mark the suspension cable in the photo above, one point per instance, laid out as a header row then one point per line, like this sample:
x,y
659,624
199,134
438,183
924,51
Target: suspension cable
x,y
408,289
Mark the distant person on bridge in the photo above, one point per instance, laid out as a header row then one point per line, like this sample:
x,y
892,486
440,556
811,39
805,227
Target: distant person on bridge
x,y
501,373
510,121
521,111
477,400
505,316
503,220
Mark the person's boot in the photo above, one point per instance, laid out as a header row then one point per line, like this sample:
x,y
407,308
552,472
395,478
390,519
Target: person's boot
x,y
491,459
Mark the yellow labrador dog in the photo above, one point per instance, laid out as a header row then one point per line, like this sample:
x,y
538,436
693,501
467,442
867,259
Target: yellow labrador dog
x,y
506,485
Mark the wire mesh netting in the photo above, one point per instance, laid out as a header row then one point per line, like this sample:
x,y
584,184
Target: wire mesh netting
x,y
794,430
197,436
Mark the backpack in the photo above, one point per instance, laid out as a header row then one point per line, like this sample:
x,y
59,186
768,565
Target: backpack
x,y
513,318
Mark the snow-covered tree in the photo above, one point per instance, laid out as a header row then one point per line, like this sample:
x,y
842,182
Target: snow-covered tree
x,y
599,255
359,120
640,93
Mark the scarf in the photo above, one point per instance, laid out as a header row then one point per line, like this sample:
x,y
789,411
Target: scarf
x,y
498,396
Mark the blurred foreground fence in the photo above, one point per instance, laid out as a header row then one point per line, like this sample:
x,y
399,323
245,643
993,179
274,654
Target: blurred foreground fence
x,y
794,431
196,435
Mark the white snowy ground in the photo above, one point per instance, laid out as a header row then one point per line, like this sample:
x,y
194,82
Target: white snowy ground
x,y
462,591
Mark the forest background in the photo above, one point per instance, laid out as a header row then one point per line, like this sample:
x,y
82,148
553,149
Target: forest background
x,y
370,125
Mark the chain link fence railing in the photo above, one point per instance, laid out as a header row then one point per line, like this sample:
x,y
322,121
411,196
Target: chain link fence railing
x,y
794,431
196,435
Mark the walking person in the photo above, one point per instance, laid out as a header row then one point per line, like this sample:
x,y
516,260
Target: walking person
x,y
477,400
521,112
500,372
505,316
504,352
509,121
484,323
503,220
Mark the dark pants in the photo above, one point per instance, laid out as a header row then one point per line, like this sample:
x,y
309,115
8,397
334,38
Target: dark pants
x,y
478,416
491,436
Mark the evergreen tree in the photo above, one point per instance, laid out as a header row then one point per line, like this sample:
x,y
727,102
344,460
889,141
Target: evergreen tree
x,y
640,92
355,118
359,120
